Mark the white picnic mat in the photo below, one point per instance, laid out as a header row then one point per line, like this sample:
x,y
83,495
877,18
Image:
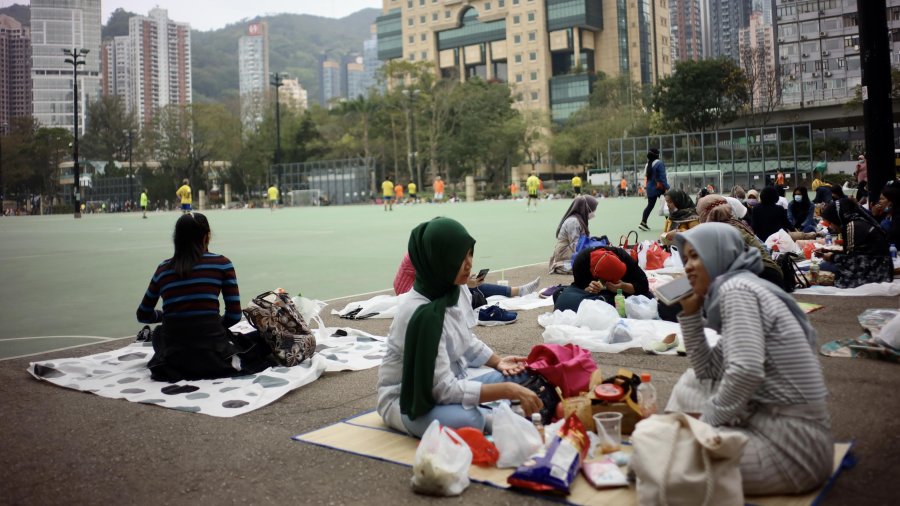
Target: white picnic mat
x,y
523,303
346,349
123,374
867,290
385,306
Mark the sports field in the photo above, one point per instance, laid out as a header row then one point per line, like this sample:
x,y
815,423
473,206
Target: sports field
x,y
68,282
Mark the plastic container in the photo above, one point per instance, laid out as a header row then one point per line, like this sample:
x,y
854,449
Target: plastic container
x,y
828,240
893,251
620,303
538,423
814,273
516,407
647,396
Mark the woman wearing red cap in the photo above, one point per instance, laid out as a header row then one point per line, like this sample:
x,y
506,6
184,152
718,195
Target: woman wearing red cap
x,y
599,272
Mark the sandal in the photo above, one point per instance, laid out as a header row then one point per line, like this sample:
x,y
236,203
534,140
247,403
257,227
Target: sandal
x,y
665,345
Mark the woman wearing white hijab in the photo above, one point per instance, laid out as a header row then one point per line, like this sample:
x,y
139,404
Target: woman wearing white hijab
x,y
763,377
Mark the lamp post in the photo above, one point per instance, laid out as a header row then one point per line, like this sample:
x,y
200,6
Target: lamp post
x,y
130,135
76,57
277,80
3,127
411,137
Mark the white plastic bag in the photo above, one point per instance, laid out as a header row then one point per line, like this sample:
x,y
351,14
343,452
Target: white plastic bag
x,y
309,309
514,436
442,462
621,333
674,259
596,315
784,243
639,307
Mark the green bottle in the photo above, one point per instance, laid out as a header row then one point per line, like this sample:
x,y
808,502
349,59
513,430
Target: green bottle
x,y
620,303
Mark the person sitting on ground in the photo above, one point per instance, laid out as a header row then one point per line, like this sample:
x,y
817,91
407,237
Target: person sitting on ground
x,y
782,201
818,178
768,216
682,214
801,212
598,273
886,209
430,347
763,378
715,209
865,257
406,276
193,341
573,225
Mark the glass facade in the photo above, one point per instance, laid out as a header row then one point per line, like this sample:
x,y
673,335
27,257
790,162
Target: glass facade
x,y
568,94
645,24
574,13
471,31
622,30
58,25
390,35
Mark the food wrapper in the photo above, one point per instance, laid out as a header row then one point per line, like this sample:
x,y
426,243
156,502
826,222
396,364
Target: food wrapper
x,y
555,467
604,474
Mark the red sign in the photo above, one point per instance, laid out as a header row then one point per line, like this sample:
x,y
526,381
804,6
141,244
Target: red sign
x,y
254,29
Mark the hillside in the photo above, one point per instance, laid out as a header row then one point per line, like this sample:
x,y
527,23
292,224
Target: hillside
x,y
296,41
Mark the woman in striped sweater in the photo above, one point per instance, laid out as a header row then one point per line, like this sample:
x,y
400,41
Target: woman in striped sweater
x,y
763,378
194,341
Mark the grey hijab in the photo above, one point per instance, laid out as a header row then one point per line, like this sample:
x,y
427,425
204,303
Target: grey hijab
x,y
725,256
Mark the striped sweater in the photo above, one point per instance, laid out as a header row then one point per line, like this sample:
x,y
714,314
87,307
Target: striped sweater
x,y
763,355
196,295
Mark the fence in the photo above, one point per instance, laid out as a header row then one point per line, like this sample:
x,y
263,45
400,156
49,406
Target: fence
x,y
749,157
339,182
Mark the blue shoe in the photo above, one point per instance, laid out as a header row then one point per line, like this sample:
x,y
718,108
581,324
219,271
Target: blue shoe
x,y
495,315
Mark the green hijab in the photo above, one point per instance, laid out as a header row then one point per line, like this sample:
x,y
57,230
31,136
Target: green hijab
x,y
437,249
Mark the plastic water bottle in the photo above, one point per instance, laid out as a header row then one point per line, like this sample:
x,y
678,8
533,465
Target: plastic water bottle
x,y
646,396
814,272
538,423
893,251
828,240
516,407
620,303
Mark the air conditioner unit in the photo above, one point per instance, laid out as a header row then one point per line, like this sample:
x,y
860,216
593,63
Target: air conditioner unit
x,y
815,74
821,13
791,77
822,34
827,74
825,53
778,18
784,57
780,41
805,55
803,37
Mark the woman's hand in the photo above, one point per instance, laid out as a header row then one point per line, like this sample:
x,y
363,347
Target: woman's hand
x,y
594,287
692,303
627,288
828,256
474,282
529,400
511,365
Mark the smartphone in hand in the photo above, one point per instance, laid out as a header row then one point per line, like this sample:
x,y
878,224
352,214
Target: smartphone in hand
x,y
482,274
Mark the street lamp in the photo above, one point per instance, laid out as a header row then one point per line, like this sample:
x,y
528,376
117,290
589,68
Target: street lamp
x,y
76,57
3,127
130,134
277,80
411,136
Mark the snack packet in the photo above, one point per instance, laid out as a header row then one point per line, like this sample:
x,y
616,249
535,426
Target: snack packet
x,y
555,467
604,474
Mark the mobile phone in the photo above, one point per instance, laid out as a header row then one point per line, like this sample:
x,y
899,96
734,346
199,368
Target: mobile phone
x,y
482,273
673,291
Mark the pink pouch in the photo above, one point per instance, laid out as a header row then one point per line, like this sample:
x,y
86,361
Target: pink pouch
x,y
568,367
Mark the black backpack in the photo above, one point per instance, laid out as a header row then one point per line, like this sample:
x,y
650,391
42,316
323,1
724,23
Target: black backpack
x,y
791,274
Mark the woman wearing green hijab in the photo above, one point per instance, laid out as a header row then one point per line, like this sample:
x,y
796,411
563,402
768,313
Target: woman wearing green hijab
x,y
431,344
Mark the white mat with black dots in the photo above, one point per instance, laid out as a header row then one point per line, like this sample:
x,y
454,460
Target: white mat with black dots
x,y
123,374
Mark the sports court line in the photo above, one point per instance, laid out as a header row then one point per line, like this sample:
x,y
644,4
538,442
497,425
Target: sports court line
x,y
4,339
387,289
62,349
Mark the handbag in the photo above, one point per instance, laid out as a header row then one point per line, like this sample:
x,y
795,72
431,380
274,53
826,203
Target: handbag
x,y
281,327
631,248
568,367
679,460
545,392
586,241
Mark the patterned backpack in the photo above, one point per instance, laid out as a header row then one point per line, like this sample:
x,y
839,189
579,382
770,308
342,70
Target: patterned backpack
x,y
282,327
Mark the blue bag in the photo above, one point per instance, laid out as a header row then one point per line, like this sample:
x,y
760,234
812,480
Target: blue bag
x,y
585,242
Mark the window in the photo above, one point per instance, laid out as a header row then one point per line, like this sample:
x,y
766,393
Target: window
x,y
534,76
894,14
515,2
487,6
410,21
517,19
421,3
534,96
531,17
409,4
517,39
412,39
518,58
447,14
518,76
434,16
424,55
532,36
423,37
422,19
532,56
501,4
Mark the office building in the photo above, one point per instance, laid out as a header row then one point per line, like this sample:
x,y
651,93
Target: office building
x,y
725,19
355,72
15,72
371,64
160,64
329,82
686,30
548,50
58,25
818,49
253,65
115,66
293,95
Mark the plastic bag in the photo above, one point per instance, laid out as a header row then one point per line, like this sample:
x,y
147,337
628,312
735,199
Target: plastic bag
x,y
309,308
442,462
781,241
674,259
514,436
639,307
621,333
596,315
651,256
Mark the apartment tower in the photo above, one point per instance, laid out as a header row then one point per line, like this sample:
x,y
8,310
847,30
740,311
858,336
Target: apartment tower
x,y
253,68
15,72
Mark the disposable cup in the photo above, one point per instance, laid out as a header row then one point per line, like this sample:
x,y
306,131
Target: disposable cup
x,y
503,282
609,428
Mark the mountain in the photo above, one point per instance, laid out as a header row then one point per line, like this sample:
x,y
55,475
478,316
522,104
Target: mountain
x,y
296,42
19,12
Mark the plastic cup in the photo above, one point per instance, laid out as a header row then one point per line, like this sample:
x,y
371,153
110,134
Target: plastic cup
x,y
503,282
609,428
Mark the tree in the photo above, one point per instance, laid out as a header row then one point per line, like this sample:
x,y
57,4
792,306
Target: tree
x,y
701,94
108,124
32,155
763,83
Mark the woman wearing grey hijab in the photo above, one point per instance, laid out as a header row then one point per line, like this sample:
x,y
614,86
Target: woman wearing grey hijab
x,y
763,377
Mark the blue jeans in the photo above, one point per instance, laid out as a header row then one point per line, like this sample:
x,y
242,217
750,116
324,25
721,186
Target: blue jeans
x,y
455,415
490,290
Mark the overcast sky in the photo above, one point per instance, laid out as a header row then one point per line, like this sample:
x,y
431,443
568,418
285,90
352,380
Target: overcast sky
x,y
212,14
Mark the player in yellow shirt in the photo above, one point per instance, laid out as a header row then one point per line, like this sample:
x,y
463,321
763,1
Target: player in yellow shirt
x,y
387,193
184,193
411,188
144,202
532,184
576,185
273,197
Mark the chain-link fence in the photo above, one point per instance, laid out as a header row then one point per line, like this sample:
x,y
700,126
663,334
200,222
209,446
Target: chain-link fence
x,y
337,182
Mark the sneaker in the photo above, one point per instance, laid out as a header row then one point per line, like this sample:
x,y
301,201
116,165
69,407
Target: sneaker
x,y
144,336
548,292
643,226
495,315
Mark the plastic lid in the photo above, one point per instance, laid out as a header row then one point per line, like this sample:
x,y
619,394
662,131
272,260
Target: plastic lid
x,y
536,417
609,392
645,377
619,291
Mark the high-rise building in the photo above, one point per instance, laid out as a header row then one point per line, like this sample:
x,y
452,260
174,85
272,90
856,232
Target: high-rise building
x,y
115,67
686,30
726,18
757,59
818,49
293,95
548,50
15,72
253,64
58,25
371,63
329,82
160,63
356,74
